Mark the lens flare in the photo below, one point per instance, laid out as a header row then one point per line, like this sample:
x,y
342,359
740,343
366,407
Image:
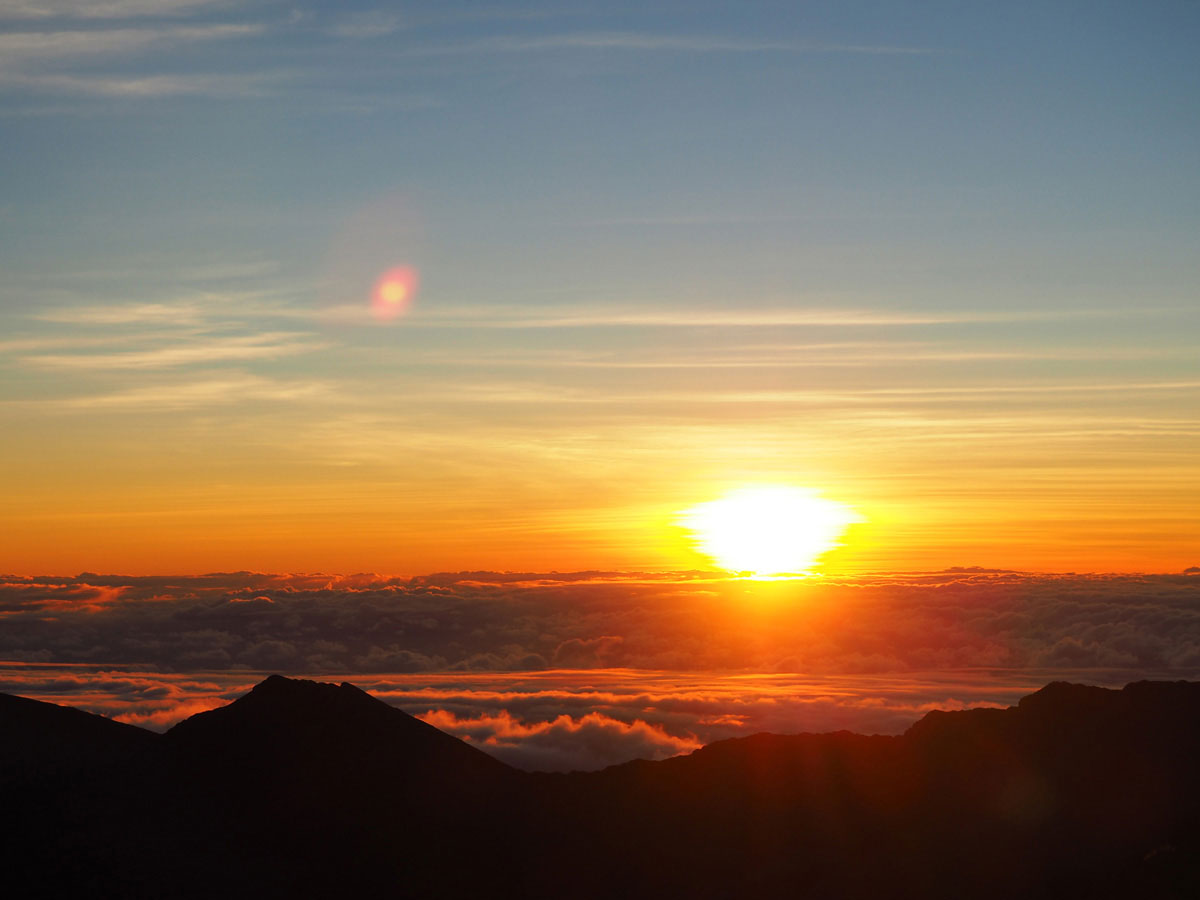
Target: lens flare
x,y
394,292
770,530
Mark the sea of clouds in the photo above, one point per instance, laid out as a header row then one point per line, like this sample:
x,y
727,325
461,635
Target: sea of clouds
x,y
588,669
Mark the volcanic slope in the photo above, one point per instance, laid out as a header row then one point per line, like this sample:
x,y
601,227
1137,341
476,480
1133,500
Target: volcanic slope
x,y
303,789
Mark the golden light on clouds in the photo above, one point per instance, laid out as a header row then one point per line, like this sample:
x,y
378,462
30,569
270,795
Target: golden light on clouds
x,y
768,530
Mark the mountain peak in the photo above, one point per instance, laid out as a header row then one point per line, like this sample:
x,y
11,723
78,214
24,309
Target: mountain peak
x,y
310,789
287,721
281,685
276,693
1068,694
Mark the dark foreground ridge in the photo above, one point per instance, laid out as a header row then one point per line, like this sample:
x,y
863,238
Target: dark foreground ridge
x,y
304,790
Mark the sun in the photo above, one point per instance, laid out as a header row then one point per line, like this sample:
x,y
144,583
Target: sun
x,y
769,530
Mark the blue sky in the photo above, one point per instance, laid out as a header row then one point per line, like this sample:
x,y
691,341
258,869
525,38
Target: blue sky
x,y
758,232
231,129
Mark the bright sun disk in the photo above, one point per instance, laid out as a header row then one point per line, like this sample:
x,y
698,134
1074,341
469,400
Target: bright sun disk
x,y
768,530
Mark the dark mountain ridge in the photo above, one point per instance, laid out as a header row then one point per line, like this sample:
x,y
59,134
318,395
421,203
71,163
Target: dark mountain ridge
x,y
42,738
311,729
304,789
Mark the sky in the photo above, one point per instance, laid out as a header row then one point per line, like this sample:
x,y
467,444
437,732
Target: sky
x,y
553,298
933,261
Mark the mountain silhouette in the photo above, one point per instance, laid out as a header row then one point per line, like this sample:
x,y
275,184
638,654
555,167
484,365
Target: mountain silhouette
x,y
41,739
309,731
309,772
304,789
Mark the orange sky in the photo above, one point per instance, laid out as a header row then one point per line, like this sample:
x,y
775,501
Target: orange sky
x,y
292,296
524,485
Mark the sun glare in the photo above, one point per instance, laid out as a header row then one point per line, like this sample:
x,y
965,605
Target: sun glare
x,y
768,531
394,291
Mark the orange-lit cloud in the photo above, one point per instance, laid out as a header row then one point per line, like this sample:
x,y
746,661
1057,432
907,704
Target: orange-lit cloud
x,y
562,744
566,719
526,622
695,657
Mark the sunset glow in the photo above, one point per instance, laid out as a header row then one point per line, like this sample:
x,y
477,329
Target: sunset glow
x,y
713,404
768,530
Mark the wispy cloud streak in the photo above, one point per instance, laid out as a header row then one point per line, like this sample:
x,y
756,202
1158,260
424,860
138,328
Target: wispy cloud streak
x,y
197,393
647,42
53,45
104,9
149,86
699,317
270,345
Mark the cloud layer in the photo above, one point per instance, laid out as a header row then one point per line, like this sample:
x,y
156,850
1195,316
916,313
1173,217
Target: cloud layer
x,y
588,669
563,744
561,720
696,621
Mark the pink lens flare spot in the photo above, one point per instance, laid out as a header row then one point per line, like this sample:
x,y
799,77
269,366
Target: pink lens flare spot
x,y
394,292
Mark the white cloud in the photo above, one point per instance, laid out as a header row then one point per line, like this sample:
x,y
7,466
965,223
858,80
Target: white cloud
x,y
240,347
192,310
147,86
104,9
530,316
636,41
35,60
174,313
199,393
51,45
